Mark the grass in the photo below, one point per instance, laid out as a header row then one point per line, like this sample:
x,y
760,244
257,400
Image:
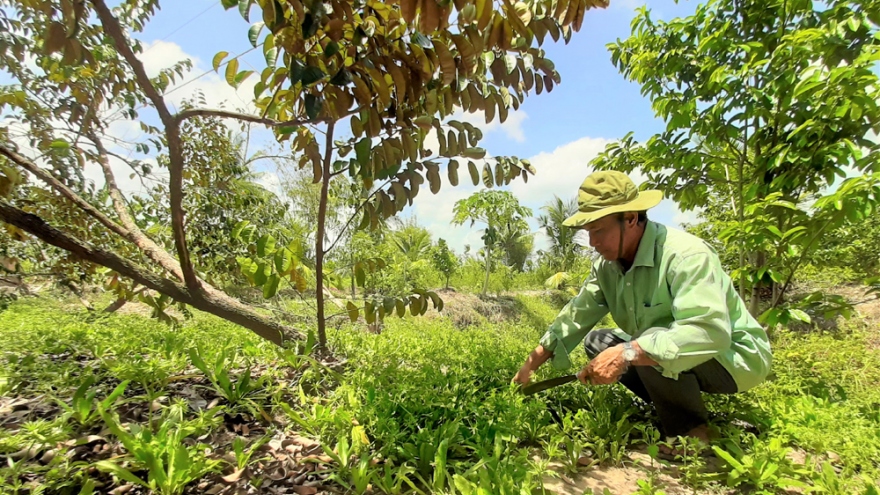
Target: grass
x,y
423,407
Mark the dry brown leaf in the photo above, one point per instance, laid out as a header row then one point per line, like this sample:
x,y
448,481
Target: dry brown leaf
x,y
121,490
305,442
304,490
232,478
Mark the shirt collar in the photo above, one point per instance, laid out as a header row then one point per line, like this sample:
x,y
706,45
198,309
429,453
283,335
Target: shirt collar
x,y
645,253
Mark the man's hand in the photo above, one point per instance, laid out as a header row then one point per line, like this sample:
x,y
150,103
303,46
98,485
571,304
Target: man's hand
x,y
604,369
535,359
524,375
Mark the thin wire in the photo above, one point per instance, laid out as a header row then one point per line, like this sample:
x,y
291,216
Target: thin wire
x,y
186,23
203,74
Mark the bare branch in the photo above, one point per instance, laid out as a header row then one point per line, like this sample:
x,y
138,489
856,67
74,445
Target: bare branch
x,y
205,112
65,191
340,171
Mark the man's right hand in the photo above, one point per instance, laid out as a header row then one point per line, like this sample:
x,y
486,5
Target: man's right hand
x,y
535,359
524,375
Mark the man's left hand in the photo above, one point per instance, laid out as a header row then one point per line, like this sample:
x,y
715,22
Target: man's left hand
x,y
606,368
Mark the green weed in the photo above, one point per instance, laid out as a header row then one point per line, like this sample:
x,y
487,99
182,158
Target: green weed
x,y
170,464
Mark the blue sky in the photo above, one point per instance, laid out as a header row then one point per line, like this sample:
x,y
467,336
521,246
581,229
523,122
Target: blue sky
x,y
559,131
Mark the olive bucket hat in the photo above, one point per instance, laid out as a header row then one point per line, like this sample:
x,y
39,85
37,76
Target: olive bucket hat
x,y
608,192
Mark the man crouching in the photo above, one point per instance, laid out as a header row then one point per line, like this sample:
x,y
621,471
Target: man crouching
x,y
684,330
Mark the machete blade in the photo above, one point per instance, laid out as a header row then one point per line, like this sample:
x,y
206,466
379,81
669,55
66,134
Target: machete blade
x,y
553,382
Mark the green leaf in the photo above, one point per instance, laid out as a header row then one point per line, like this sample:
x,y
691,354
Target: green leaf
x,y
59,144
236,231
359,274
313,106
271,286
287,130
119,472
283,261
475,153
297,70
244,8
254,33
117,392
265,245
352,311
362,151
422,40
331,49
800,315
475,173
727,458
311,75
241,76
510,63
369,312
218,59
341,78
260,274
228,4
231,71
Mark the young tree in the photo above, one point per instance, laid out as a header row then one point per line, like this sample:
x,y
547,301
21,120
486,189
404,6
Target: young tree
x,y
767,105
493,208
515,243
563,250
222,191
391,72
445,261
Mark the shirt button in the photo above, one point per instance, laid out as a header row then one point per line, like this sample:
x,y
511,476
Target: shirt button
x,y
630,308
628,284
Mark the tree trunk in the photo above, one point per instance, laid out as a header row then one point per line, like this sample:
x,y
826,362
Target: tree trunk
x,y
210,300
486,281
353,288
319,237
447,281
755,301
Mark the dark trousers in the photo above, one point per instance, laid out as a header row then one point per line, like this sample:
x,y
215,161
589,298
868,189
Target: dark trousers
x,y
679,403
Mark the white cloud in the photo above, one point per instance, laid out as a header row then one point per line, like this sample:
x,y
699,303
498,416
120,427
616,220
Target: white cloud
x,y
159,55
558,172
512,126
680,218
271,182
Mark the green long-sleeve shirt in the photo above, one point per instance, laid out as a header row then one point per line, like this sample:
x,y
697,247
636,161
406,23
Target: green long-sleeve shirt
x,y
676,301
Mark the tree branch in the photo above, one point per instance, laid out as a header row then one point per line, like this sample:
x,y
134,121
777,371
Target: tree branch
x,y
113,29
206,112
65,191
172,133
340,171
354,214
223,307
319,234
147,245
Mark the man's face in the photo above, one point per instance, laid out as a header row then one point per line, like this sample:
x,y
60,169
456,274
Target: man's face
x,y
605,236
